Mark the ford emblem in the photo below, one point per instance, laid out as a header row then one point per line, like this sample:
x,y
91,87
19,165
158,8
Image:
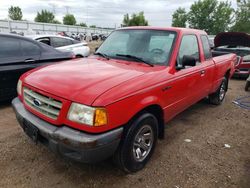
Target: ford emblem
x,y
37,102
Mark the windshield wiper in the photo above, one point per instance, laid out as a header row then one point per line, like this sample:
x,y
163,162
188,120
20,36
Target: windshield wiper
x,y
102,54
135,58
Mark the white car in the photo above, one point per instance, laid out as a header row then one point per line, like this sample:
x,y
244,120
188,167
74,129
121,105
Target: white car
x,y
80,49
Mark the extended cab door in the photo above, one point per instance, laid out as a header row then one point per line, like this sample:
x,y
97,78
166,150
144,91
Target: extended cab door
x,y
187,84
208,66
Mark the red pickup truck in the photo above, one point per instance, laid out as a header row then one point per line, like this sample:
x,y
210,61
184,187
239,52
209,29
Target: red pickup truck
x,y
116,102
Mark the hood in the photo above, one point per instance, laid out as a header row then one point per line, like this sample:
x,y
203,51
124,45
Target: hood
x,y
83,80
232,39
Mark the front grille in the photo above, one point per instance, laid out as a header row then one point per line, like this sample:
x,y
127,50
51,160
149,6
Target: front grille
x,y
41,103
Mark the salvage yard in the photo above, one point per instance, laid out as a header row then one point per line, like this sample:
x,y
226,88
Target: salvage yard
x,y
193,154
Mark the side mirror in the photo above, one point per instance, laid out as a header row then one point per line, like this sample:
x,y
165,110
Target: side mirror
x,y
188,61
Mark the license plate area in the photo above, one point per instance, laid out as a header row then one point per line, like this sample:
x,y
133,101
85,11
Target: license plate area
x,y
31,131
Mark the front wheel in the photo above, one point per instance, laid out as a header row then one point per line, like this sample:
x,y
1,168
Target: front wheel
x,y
218,97
138,144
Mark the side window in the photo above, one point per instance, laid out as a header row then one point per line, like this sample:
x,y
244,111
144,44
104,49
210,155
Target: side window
x,y
206,47
59,42
189,46
9,47
76,41
29,48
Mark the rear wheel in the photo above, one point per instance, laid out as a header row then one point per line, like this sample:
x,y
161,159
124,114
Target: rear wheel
x,y
218,97
138,144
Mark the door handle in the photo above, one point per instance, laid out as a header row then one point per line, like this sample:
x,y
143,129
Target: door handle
x,y
166,88
203,72
29,61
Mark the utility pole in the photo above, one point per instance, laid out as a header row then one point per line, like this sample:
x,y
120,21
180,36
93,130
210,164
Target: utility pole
x,y
67,9
53,8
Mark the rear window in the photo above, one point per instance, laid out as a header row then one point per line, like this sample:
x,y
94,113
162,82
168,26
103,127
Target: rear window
x,y
9,47
206,47
59,42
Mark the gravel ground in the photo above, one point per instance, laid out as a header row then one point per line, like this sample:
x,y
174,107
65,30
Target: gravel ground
x,y
203,162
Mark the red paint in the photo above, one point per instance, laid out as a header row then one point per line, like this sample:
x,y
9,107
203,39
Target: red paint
x,y
124,88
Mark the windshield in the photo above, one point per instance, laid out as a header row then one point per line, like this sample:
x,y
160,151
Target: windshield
x,y
151,46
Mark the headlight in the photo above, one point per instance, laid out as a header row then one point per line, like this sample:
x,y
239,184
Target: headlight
x,y
19,87
87,115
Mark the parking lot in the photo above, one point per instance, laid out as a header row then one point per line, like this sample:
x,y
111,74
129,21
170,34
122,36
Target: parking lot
x,y
203,162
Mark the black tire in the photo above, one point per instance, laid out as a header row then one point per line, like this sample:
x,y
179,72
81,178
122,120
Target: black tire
x,y
218,97
126,155
247,85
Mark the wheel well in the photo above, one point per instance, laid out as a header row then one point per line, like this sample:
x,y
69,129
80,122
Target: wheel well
x,y
79,56
227,75
157,111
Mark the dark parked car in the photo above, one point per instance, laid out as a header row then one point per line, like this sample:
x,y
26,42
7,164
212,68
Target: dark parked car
x,y
18,55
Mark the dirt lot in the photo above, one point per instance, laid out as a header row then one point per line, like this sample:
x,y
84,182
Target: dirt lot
x,y
93,45
204,162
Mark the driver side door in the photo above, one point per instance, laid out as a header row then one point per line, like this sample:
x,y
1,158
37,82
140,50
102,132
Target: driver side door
x,y
186,83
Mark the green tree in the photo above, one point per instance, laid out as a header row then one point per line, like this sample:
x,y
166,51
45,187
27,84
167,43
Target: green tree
x,y
56,22
92,26
15,13
135,20
179,18
69,19
45,16
242,17
83,25
126,20
210,15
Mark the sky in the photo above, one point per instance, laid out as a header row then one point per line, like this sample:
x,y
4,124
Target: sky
x,y
102,13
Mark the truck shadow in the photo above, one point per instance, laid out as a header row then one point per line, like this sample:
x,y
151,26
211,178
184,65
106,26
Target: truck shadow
x,y
185,120
5,104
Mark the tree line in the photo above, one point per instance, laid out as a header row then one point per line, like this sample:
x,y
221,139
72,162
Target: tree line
x,y
214,16
45,16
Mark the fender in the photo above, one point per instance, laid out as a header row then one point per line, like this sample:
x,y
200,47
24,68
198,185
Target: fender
x,y
122,111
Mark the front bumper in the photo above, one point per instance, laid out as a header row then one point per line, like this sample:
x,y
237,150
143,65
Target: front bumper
x,y
242,72
71,143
